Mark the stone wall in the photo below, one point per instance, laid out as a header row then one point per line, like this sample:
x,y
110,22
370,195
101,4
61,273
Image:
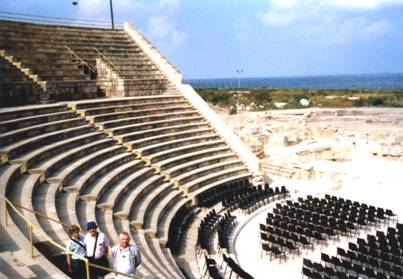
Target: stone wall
x,y
18,94
109,82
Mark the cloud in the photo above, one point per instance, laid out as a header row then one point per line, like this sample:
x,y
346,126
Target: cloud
x,y
350,4
332,21
359,28
158,16
363,4
94,9
282,18
163,29
178,37
284,4
159,27
167,4
138,7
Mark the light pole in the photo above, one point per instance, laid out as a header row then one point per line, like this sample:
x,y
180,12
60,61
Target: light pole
x,y
239,72
74,3
113,22
238,92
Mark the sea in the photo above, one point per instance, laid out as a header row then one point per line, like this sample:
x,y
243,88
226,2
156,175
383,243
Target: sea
x,y
357,81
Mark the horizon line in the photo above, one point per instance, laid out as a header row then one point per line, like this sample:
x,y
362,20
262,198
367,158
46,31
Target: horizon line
x,y
297,76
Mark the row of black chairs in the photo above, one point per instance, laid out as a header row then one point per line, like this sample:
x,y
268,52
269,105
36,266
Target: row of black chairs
x,y
179,224
305,220
360,216
338,204
374,245
366,258
235,269
224,222
217,194
298,239
253,198
301,224
381,251
316,220
317,216
204,232
331,267
387,212
224,229
301,233
318,271
362,263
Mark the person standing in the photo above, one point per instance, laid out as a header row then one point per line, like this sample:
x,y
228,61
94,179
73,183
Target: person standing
x,y
125,256
75,265
97,244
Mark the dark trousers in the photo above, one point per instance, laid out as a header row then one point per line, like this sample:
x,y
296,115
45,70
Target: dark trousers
x,y
97,272
78,267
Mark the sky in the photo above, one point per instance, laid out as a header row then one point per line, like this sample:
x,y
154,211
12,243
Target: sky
x,y
264,38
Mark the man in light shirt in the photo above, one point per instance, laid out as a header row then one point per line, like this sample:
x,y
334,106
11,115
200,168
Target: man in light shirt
x,y
97,244
125,256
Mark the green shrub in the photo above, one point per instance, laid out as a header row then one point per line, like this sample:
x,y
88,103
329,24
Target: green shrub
x,y
375,101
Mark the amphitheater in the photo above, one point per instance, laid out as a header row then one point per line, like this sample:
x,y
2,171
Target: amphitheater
x,y
96,124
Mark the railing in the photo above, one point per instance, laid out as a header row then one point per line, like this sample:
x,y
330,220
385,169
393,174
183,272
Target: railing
x,y
82,62
33,228
30,18
107,60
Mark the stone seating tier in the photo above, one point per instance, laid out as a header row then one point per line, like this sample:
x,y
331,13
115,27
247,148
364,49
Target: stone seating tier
x,y
177,161
116,131
18,114
74,171
94,104
151,116
128,110
41,49
166,137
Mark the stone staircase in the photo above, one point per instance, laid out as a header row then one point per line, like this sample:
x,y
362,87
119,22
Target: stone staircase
x,y
26,71
71,65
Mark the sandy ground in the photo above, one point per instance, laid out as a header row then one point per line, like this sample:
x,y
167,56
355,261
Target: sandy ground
x,y
357,120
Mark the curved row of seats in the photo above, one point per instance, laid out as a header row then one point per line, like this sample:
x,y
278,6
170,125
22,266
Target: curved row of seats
x,y
68,166
71,177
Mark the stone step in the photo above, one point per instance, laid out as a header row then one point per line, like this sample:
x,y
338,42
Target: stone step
x,y
15,263
18,64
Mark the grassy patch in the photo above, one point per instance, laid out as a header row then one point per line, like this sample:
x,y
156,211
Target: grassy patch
x,y
265,98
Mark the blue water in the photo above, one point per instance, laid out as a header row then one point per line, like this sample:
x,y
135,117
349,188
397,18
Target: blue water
x,y
363,81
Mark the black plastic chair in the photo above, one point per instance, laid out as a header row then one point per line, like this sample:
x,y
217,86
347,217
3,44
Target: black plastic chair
x,y
276,252
341,252
214,273
306,272
208,263
265,248
325,258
